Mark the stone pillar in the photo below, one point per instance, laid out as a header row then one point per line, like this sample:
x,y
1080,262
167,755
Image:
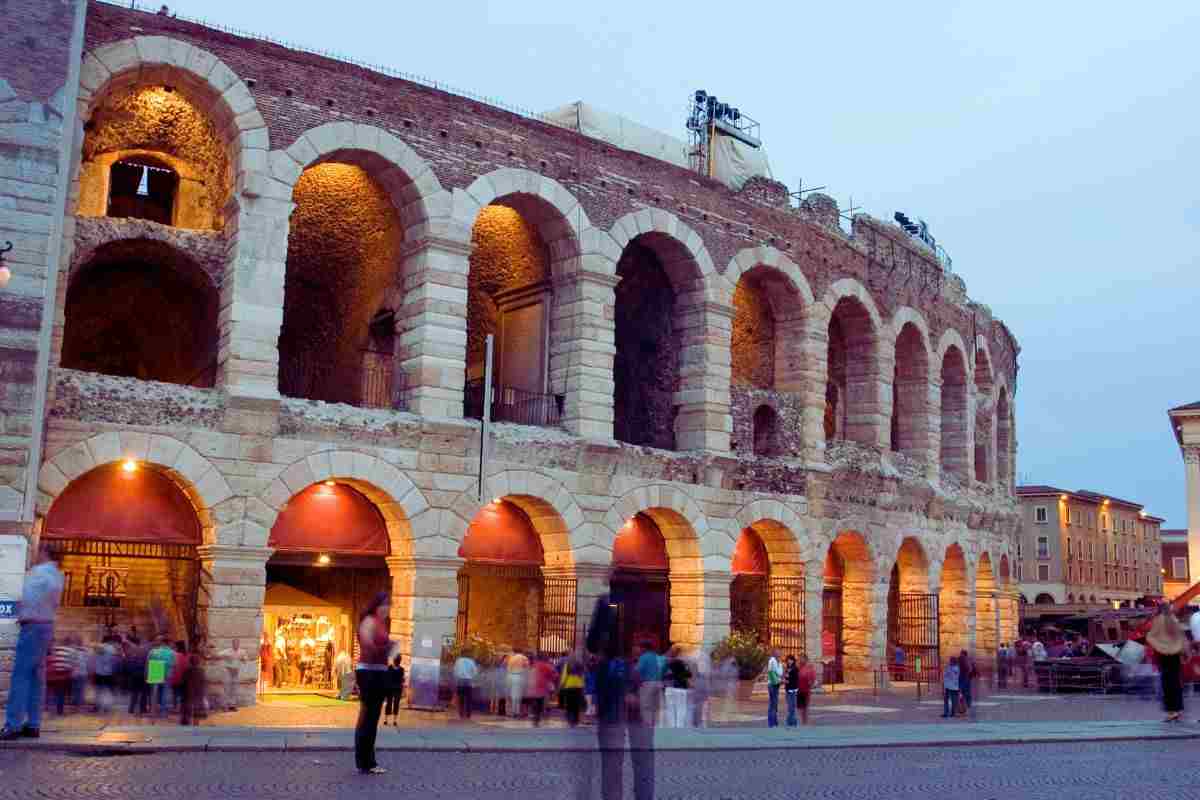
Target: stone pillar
x,y
814,377
864,624
699,609
703,419
424,603
234,581
431,326
1191,462
582,347
591,583
885,376
814,603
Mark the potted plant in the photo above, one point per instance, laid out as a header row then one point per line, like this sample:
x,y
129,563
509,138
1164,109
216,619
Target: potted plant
x,y
748,653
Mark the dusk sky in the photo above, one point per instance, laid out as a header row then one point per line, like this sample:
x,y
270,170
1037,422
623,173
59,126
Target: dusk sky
x,y
1051,147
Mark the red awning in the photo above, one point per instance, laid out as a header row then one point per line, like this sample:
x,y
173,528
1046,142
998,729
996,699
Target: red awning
x,y
501,534
111,504
749,555
330,519
640,545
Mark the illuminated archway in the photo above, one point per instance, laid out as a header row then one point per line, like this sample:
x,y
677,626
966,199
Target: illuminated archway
x,y
852,370
953,604
912,618
954,415
910,393
846,625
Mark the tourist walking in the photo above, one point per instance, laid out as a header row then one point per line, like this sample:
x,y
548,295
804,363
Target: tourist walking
x,y
178,675
106,665
465,672
950,689
542,680
571,684
395,691
518,675
677,681
1168,642
774,678
649,668
135,675
343,667
60,665
967,673
898,657
159,664
40,597
371,675
791,687
232,660
808,679
1003,662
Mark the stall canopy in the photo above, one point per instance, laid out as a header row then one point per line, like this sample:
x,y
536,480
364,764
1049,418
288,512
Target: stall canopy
x,y
282,599
639,545
749,555
501,534
330,519
112,504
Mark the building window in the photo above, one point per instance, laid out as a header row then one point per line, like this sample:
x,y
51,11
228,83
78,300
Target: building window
x,y
1179,567
1019,572
1043,572
1076,515
142,188
1070,574
1092,520
1068,547
1043,544
1091,551
1040,515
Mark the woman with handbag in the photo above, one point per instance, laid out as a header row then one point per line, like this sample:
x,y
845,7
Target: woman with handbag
x,y
1168,642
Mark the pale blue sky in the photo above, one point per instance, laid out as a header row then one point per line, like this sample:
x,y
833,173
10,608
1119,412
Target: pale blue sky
x,y
1052,147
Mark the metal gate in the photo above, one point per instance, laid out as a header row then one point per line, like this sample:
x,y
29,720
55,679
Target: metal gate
x,y
785,614
833,649
556,620
749,606
464,605
917,630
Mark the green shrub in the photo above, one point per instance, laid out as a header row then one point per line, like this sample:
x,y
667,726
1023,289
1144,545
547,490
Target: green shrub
x,y
747,652
484,651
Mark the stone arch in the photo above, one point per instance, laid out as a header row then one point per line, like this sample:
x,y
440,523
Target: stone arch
x,y
671,371
955,414
414,529
849,579
912,566
911,423
853,401
550,506
983,379
780,529
772,259
194,474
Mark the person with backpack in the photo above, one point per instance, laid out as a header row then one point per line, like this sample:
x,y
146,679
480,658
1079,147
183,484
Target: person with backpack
x,y
159,662
391,704
774,679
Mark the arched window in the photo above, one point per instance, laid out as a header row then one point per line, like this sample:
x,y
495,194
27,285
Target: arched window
x,y
765,431
142,188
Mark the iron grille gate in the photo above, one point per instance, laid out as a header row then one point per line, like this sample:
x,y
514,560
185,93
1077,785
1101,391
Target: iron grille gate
x,y
785,613
918,631
556,622
832,642
464,600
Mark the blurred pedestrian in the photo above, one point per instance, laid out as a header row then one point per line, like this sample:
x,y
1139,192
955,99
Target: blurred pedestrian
x,y
232,659
728,677
791,688
40,596
898,658
1168,642
700,689
465,673
967,673
107,664
1003,664
178,674
373,646
950,689
395,674
774,678
343,667
649,668
677,681
159,663
518,675
589,685
542,680
807,680
570,687
60,666
134,668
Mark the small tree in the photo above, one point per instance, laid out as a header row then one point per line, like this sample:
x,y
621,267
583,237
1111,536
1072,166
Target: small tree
x,y
484,651
745,650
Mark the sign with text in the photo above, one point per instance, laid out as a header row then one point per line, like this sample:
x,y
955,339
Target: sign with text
x,y
8,609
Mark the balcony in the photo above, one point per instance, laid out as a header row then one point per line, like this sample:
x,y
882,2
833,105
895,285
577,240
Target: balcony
x,y
513,405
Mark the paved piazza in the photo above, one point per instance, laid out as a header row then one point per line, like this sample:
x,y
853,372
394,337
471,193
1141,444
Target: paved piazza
x,y
1090,770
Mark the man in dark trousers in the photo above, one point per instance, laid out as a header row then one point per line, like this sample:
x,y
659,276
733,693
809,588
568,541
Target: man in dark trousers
x,y
618,711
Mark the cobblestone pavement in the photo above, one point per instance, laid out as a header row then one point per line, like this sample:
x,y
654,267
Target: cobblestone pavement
x,y
1147,771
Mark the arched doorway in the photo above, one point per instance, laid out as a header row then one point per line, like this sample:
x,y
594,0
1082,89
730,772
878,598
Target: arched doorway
x,y
846,625
953,604
640,586
912,613
850,391
987,612
748,593
330,543
1009,602
1044,599
954,415
126,536
910,393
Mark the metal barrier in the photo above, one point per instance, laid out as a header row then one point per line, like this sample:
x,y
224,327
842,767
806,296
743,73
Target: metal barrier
x,y
926,677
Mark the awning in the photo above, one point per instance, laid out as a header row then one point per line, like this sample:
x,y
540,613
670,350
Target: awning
x,y
283,599
640,545
330,519
112,504
749,555
501,534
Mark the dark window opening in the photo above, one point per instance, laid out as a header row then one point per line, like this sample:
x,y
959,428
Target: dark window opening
x,y
765,425
142,190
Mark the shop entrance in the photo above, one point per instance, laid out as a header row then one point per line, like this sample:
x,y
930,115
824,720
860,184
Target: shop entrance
x,y
641,587
330,542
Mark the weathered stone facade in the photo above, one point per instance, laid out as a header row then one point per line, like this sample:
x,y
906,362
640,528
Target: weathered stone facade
x,y
606,217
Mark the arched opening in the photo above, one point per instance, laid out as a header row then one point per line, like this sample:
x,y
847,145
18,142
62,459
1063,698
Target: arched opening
x,y
984,411
748,595
640,585
343,257
954,415
142,187
153,152
912,621
1044,599
851,398
766,431
953,604
654,271
910,393
1070,598
509,297
330,542
126,536
1009,610
766,359
846,625
987,613
1004,425
142,309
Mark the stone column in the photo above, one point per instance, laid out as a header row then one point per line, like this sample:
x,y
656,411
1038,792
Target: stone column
x,y
885,376
591,583
431,326
582,347
233,587
814,617
699,609
424,603
703,420
1191,462
814,379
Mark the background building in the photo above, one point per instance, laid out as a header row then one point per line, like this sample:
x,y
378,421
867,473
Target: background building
x,y
1176,574
247,331
1185,424
1082,547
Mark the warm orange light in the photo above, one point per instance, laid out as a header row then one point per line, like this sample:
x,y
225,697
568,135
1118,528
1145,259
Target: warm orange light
x,y
497,501
323,560
330,483
1062,497
129,465
5,276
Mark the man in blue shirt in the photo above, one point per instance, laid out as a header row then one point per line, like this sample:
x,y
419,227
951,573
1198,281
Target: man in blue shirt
x,y
39,605
650,688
